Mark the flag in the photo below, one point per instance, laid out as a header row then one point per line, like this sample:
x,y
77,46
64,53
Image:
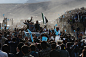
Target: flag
x,y
29,31
30,34
3,14
56,25
44,19
7,28
7,19
25,33
74,30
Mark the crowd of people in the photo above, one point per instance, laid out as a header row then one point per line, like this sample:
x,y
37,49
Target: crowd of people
x,y
47,44
78,17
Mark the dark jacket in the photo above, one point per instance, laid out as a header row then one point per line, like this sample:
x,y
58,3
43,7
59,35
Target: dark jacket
x,y
54,53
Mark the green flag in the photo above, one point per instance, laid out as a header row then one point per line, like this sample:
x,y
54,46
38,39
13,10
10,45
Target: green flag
x,y
44,19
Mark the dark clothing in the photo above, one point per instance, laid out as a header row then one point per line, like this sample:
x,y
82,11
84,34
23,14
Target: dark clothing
x,y
78,29
11,55
84,54
54,53
13,47
8,42
33,53
64,53
76,48
31,27
70,51
44,53
36,40
20,54
37,27
27,55
20,40
27,25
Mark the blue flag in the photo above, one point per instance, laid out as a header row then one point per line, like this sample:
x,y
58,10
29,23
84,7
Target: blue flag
x,y
56,25
3,14
30,34
25,33
7,19
7,28
31,37
29,31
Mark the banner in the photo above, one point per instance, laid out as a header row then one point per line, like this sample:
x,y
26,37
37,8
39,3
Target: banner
x,y
30,34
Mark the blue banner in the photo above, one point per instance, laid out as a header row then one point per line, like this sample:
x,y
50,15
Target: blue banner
x,y
30,34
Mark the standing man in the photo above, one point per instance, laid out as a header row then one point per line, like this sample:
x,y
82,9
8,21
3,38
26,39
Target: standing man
x,y
57,33
37,26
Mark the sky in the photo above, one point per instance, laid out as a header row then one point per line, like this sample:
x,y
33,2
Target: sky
x,y
21,1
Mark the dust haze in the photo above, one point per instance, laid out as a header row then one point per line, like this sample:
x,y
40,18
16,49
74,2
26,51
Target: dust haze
x,y
52,9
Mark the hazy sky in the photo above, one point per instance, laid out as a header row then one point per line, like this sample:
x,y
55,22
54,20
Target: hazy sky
x,y
21,1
